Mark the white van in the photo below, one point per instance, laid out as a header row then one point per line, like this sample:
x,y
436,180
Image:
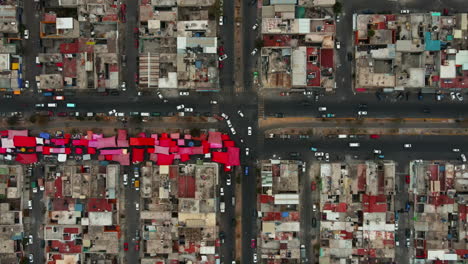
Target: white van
x,y
51,105
37,60
145,114
354,145
222,207
343,136
463,158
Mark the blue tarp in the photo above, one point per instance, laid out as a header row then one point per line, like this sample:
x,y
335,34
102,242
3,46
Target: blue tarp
x,y
79,207
431,45
44,135
191,144
198,64
284,214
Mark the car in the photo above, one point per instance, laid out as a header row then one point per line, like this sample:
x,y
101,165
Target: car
x,y
136,43
249,131
71,105
329,115
213,102
255,26
338,45
62,114
463,157
233,131
125,246
221,20
221,191
313,186
26,84
404,11
319,154
327,157
459,96
26,34
439,97
228,179
221,50
137,206
314,208
125,179
253,243
377,151
255,258
407,145
159,94
254,51
407,179
240,113
59,98
456,150
31,258
313,149
184,93
322,109
308,93
362,113
408,242
223,115
228,122
180,107
452,96
30,204
222,57
374,136
396,225
349,56
30,240
246,170
188,110
137,245
314,222
247,151
337,18
51,105
39,105
284,94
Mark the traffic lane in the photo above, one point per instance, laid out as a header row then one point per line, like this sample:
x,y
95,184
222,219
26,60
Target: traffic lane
x,y
300,106
249,37
131,51
249,204
227,36
228,243
423,147
132,196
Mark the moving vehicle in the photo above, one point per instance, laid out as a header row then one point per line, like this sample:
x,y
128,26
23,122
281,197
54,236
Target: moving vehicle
x,y
222,207
137,206
407,179
71,105
184,93
303,252
34,186
51,105
247,151
228,179
459,96
125,179
407,145
249,131
377,151
240,113
463,158
26,34
233,131
354,145
338,45
125,246
253,243
221,191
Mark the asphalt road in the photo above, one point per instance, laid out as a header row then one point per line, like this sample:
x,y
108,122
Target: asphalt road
x,y
37,217
132,218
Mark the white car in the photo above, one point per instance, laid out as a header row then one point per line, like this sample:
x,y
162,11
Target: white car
x,y
160,95
221,191
229,123
249,131
456,150
240,113
213,102
51,105
26,84
377,151
322,109
188,110
112,112
255,26
26,34
184,93
123,85
228,179
221,20
125,179
30,240
396,225
255,257
362,113
407,146
254,51
39,105
223,115
404,11
137,206
459,96
180,107
233,131
463,157
327,157
247,151
30,204
338,45
318,154
222,57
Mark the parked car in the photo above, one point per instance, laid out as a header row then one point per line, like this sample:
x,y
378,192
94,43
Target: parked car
x,y
240,113
254,51
213,102
125,246
374,136
459,96
247,151
249,131
253,243
26,34
59,98
228,179
180,107
184,93
255,26
407,145
221,20
362,113
222,57
407,179
338,45
188,110
404,11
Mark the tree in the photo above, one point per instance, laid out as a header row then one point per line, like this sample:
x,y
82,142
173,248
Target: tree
x,y
43,120
258,43
12,120
195,132
371,33
337,8
33,118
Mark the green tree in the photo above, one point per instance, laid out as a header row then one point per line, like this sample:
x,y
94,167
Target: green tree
x,y
337,8
371,33
33,118
12,120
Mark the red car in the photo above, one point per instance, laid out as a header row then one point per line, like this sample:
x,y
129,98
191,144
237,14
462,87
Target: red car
x,y
137,246
62,114
253,243
407,179
123,12
126,246
136,43
374,136
313,186
221,51
136,77
220,64
59,98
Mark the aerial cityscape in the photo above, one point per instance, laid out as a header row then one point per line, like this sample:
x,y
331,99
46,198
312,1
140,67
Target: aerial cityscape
x,y
233,131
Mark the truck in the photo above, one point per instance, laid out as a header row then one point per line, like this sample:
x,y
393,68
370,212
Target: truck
x,y
34,186
137,185
303,252
40,182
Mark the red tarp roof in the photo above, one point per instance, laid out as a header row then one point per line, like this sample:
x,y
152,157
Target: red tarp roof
x,y
108,142
220,157
13,133
233,156
22,141
141,141
186,186
165,159
138,155
26,158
